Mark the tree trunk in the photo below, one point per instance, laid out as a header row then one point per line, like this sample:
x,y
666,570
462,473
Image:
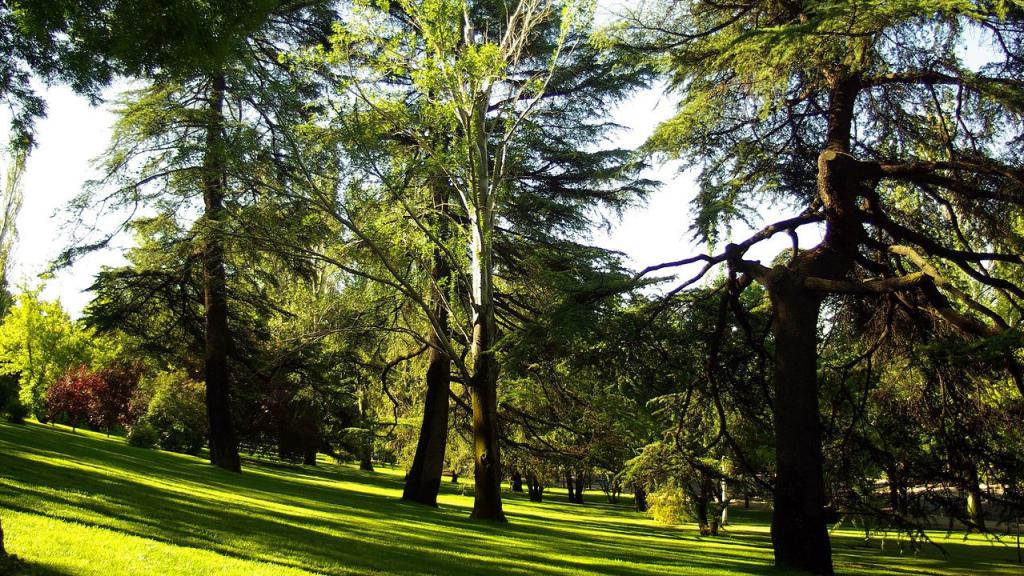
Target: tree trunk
x,y
517,481
3,550
223,445
702,511
640,498
725,501
424,479
535,488
580,481
799,532
309,457
484,380
570,486
366,458
455,477
975,512
799,526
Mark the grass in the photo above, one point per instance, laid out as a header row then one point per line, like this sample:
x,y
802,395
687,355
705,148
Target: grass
x,y
84,504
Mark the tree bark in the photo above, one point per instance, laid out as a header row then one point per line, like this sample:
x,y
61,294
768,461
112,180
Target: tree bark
x,y
517,481
535,488
580,482
640,498
799,522
366,458
799,533
483,385
223,445
3,550
570,486
486,456
424,479
975,512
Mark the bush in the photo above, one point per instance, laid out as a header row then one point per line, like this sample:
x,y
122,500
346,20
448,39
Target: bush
x,y
142,435
15,412
9,387
668,505
177,411
10,406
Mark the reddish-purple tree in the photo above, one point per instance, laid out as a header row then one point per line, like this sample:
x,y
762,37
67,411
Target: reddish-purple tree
x,y
111,400
73,395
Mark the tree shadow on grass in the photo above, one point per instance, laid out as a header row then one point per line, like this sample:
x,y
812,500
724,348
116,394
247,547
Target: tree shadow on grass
x,y
307,518
337,520
14,566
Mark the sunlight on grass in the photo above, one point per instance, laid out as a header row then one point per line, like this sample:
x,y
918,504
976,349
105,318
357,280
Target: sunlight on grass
x,y
84,504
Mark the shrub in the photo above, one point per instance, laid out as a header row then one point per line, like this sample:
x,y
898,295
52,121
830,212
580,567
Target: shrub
x,y
142,435
15,412
9,387
177,411
668,505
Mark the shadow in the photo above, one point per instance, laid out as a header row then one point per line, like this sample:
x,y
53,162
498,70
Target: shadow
x,y
13,566
335,519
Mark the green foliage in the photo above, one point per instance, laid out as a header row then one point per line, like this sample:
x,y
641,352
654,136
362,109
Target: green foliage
x,y
40,343
177,411
142,435
669,505
15,412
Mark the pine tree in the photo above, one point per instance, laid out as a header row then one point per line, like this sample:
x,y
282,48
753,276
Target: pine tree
x,y
867,119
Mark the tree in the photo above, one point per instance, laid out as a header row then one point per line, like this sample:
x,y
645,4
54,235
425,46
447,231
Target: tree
x,y
110,405
865,117
73,396
40,344
178,134
475,115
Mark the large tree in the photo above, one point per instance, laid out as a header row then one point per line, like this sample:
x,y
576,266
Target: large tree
x,y
457,111
867,121
200,130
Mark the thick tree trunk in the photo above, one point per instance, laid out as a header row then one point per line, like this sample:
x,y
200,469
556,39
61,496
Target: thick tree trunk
x,y
517,481
570,486
640,499
483,385
975,512
799,521
799,533
535,488
223,445
366,458
3,550
424,479
580,482
309,457
702,513
486,456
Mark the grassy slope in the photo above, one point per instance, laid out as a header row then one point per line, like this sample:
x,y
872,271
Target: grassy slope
x,y
84,504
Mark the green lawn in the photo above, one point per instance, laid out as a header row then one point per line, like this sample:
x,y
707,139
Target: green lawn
x,y
85,504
